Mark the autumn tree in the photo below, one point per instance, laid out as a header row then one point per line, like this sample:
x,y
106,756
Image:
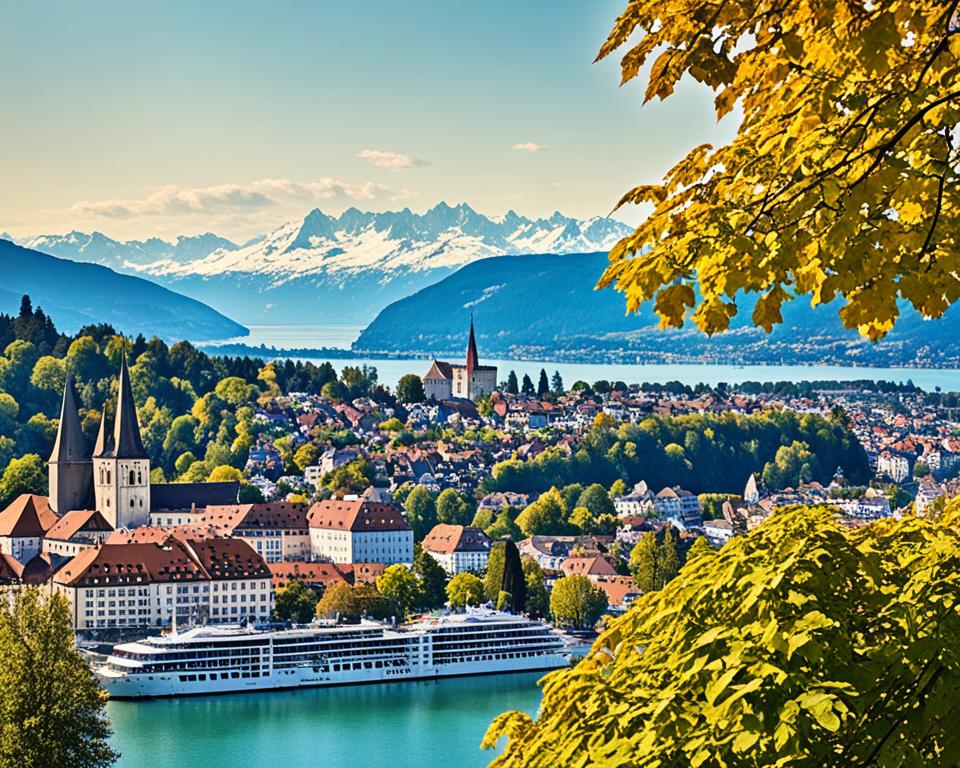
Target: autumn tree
x,y
804,643
643,563
577,602
841,180
465,589
51,707
339,601
400,586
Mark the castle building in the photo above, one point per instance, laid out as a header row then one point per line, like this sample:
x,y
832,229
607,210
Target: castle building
x,y
445,380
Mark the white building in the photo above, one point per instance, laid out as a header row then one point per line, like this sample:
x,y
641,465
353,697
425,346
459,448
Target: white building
x,y
446,380
359,531
23,525
458,548
893,465
146,584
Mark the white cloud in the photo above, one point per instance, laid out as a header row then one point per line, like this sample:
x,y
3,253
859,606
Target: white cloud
x,y
394,161
231,198
529,146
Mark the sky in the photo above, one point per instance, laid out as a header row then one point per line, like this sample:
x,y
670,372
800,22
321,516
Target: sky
x,y
144,119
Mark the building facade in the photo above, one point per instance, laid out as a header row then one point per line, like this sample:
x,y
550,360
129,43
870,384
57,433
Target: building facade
x,y
458,548
359,531
468,381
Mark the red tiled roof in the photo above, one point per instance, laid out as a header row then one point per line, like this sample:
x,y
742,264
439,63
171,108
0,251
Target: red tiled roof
x,y
278,515
75,521
309,573
28,516
356,515
445,539
587,566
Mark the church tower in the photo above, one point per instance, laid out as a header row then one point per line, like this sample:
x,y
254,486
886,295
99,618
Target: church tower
x,y
70,465
121,467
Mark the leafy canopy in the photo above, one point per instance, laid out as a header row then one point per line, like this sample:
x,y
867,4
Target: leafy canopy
x,y
804,643
841,180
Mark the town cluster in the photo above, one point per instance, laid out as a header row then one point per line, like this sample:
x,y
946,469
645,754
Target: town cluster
x,y
129,553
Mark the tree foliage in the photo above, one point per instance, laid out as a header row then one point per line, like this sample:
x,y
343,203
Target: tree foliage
x,y
433,579
401,587
51,707
804,643
295,602
577,602
465,589
841,179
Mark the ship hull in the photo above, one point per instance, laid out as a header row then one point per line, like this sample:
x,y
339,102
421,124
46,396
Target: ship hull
x,y
169,685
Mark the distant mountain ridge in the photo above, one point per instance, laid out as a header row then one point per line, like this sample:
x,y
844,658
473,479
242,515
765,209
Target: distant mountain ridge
x,y
334,268
545,307
78,294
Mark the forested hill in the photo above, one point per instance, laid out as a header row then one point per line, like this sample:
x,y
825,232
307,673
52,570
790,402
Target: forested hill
x,y
545,307
79,294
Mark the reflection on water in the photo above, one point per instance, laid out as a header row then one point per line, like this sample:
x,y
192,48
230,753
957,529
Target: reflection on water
x,y
416,724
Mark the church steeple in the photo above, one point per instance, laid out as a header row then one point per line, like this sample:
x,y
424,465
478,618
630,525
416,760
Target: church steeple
x,y
473,359
69,445
69,465
127,443
102,447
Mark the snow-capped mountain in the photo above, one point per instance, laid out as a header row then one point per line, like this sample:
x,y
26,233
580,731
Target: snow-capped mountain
x,y
133,255
335,268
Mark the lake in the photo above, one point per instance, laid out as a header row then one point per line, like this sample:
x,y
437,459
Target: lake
x,y
401,725
390,371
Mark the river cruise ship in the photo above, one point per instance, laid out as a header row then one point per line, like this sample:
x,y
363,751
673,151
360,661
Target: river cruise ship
x,y
207,660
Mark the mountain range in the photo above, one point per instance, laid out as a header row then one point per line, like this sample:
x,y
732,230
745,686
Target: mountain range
x,y
326,268
545,308
78,294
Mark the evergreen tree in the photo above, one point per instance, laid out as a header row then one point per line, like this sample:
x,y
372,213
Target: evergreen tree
x,y
668,561
643,563
537,603
543,385
512,387
433,579
493,578
527,387
514,583
556,383
51,707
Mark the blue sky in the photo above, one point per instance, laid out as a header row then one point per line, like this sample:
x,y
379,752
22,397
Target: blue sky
x,y
171,118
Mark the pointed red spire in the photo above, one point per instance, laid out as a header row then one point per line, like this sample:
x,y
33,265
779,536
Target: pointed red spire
x,y
473,360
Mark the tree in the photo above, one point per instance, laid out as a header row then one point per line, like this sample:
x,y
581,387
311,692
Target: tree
x,y
536,586
225,474
921,469
421,511
576,602
545,516
842,178
700,548
512,387
306,456
543,384
353,477
527,387
51,707
823,650
503,526
452,508
668,561
581,519
28,474
465,589
643,563
398,585
514,581
493,577
792,466
556,383
339,601
433,579
410,389
295,602
597,500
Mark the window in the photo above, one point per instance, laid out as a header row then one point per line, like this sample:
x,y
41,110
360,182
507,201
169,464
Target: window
x,y
133,477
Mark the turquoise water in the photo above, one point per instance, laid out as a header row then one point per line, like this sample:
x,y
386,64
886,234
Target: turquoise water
x,y
401,725
390,371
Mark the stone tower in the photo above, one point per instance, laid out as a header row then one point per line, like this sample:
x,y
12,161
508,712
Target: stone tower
x,y
70,465
121,467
